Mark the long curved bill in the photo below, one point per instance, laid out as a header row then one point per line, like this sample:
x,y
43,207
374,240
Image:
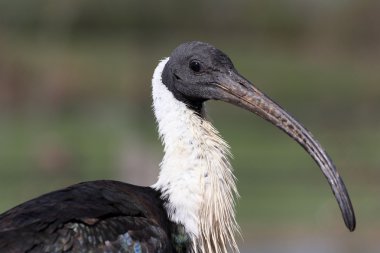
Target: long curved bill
x,y
235,89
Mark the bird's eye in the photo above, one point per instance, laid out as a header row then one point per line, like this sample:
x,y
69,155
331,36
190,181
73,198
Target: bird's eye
x,y
195,66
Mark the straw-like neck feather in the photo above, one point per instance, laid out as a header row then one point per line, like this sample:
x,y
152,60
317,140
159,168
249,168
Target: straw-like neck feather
x,y
196,176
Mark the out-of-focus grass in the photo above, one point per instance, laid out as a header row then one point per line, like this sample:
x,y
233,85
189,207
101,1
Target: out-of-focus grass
x,y
86,148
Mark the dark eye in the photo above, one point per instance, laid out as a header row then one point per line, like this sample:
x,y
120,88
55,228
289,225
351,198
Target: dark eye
x,y
195,66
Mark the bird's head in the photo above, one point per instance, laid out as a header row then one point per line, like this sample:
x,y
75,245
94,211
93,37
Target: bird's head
x,y
194,72
197,72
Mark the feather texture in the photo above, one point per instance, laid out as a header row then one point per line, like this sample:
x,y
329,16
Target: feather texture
x,y
196,175
98,216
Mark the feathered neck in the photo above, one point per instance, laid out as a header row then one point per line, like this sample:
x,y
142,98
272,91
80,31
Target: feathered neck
x,y
196,176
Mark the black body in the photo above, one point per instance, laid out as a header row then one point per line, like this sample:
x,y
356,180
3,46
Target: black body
x,y
83,217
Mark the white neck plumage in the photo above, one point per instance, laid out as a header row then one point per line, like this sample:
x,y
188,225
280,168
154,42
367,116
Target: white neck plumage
x,y
196,176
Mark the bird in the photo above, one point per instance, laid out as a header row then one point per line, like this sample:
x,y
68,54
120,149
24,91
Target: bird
x,y
191,207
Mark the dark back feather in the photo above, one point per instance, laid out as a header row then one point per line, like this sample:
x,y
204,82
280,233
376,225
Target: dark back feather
x,y
98,216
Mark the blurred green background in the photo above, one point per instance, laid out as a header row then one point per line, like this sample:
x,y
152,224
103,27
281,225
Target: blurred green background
x,y
75,105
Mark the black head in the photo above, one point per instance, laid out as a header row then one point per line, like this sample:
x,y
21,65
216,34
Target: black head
x,y
191,71
197,71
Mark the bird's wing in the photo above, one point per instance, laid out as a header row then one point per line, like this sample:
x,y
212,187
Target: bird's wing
x,y
99,216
